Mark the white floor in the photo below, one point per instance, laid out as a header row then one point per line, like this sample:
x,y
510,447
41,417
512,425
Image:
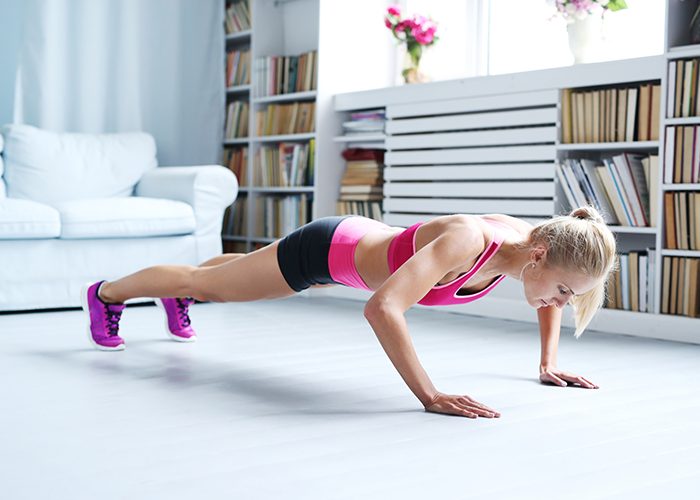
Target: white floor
x,y
295,399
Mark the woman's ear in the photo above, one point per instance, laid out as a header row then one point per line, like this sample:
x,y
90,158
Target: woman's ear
x,y
538,255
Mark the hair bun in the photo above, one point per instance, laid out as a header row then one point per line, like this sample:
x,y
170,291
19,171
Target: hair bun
x,y
588,213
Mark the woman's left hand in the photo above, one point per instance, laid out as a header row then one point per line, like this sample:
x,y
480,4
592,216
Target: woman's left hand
x,y
558,377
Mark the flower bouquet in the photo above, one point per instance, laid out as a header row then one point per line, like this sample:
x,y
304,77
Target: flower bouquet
x,y
416,32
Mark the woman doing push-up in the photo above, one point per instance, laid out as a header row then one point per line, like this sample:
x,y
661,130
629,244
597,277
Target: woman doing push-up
x,y
453,259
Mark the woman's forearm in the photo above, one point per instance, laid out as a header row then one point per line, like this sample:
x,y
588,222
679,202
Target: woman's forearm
x,y
550,328
392,331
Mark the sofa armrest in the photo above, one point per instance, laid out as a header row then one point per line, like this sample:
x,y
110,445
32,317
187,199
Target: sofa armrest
x,y
209,189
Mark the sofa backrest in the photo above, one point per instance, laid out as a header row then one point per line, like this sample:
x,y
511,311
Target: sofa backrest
x,y
52,167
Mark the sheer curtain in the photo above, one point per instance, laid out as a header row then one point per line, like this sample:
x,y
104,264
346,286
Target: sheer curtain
x,y
123,65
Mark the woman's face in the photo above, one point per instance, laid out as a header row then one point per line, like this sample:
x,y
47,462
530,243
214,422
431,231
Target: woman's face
x,y
546,286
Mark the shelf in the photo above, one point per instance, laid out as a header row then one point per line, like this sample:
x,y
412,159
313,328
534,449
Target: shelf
x,y
681,253
281,189
683,51
691,120
240,36
233,142
297,96
633,229
286,137
609,146
238,89
231,237
360,138
681,187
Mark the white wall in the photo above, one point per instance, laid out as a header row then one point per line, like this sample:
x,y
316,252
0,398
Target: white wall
x,y
11,12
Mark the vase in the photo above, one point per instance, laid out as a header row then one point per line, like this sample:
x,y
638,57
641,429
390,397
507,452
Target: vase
x,y
411,68
585,38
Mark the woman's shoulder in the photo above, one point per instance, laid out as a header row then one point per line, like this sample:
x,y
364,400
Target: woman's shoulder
x,y
518,225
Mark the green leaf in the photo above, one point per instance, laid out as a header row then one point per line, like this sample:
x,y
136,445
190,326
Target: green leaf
x,y
615,5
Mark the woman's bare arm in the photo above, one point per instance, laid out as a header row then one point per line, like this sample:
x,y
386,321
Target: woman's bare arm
x,y
385,313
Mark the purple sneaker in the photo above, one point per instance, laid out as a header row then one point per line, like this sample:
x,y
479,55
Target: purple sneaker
x,y
103,319
177,321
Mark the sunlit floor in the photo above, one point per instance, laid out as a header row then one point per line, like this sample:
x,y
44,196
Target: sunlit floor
x,y
296,399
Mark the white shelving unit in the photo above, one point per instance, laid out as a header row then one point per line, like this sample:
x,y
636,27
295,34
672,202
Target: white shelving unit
x,y
292,27
414,155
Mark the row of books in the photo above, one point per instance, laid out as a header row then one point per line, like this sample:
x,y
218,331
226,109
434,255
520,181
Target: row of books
x,y
623,188
235,223
236,120
285,165
237,17
236,159
286,74
365,122
682,155
371,209
684,87
682,220
680,288
293,118
238,67
611,114
278,216
631,286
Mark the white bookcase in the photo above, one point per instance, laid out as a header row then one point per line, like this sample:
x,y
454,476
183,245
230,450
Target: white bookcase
x,y
293,27
449,148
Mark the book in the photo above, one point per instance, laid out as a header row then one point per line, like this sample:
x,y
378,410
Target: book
x,y
687,89
644,114
666,285
673,301
669,221
669,153
678,94
632,94
621,115
654,118
605,176
671,83
625,280
688,146
564,184
566,116
633,265
651,280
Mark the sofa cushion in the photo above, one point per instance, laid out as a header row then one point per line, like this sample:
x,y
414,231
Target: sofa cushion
x,y
132,217
26,219
2,181
54,167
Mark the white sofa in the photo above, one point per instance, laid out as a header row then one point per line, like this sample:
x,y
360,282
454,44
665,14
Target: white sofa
x,y
81,207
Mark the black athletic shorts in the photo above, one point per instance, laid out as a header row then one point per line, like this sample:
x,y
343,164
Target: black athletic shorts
x,y
303,254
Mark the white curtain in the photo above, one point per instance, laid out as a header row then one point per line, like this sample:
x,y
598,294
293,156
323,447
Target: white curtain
x,y
123,65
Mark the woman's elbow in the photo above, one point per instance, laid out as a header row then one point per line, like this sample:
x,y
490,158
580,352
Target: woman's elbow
x,y
379,307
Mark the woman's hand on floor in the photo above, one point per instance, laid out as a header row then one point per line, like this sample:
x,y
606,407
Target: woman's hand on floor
x,y
460,405
556,376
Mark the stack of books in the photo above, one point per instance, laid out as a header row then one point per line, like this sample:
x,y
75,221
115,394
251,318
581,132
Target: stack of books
x,y
286,74
236,159
682,155
611,114
293,118
680,288
361,191
237,17
365,123
684,88
237,67
631,287
285,165
236,120
682,220
623,188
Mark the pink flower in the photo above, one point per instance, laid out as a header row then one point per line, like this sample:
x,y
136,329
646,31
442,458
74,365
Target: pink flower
x,y
394,10
388,23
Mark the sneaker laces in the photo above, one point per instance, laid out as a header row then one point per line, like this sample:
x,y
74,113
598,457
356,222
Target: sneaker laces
x,y
182,305
113,317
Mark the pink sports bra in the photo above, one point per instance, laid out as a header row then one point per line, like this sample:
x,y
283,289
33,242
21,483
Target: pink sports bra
x,y
403,247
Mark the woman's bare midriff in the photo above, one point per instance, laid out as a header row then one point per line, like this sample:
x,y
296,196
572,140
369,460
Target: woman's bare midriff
x,y
371,259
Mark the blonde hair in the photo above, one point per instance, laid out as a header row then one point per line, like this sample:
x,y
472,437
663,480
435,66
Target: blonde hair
x,y
582,242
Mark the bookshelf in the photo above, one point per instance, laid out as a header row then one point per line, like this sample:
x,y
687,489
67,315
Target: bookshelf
x,y
427,155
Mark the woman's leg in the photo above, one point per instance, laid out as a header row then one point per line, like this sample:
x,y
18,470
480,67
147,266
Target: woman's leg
x,y
245,277
221,259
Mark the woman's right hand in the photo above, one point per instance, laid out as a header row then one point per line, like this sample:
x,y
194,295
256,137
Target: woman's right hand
x,y
463,406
